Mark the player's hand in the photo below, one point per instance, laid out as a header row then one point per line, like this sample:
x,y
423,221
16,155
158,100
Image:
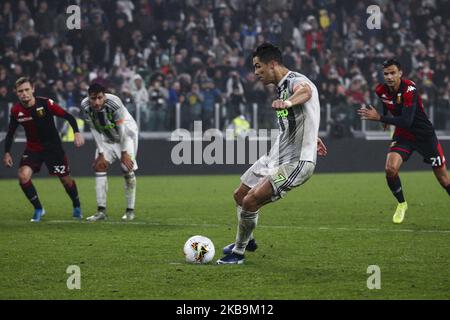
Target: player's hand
x,y
7,160
321,148
126,161
100,164
369,113
280,104
79,139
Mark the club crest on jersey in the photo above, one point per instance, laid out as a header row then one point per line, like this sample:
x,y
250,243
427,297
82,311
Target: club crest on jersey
x,y
284,95
40,112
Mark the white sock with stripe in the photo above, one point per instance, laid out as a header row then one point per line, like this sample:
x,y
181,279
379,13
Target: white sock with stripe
x,y
101,188
247,223
130,189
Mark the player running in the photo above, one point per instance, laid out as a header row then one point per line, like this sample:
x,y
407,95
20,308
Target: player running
x,y
413,131
116,136
43,145
291,160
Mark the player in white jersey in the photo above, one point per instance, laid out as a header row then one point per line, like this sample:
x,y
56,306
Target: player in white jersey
x,y
292,158
116,136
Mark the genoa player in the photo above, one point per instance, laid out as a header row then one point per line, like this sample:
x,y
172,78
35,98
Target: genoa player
x,y
43,145
413,131
116,136
291,160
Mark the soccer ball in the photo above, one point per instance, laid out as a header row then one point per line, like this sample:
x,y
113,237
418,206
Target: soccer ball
x,y
199,249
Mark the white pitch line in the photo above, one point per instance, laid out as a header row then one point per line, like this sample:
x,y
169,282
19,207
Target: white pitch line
x,y
260,226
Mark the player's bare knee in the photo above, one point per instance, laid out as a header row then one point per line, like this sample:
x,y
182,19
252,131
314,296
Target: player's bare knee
x,y
391,171
238,196
250,202
24,176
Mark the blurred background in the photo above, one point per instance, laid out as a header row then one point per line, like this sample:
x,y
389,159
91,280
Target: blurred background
x,y
175,62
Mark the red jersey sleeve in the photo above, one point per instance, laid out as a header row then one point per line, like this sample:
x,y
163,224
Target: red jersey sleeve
x,y
55,109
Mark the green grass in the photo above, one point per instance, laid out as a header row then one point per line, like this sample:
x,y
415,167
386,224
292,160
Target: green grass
x,y
315,244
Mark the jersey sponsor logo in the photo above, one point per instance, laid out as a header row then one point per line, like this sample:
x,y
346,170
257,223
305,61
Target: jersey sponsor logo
x,y
282,113
40,112
24,119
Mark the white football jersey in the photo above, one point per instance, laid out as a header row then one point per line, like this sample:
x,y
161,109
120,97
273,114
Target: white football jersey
x,y
104,120
299,124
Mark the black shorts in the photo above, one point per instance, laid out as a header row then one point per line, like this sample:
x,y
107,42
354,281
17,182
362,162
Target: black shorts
x,y
430,150
56,162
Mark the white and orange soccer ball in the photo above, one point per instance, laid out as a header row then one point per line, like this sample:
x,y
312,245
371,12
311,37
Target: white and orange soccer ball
x,y
199,249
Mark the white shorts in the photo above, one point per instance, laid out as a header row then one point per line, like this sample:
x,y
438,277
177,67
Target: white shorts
x,y
113,152
282,178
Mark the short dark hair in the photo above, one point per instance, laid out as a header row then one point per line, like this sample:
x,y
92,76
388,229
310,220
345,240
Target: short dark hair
x,y
96,88
268,52
23,80
392,62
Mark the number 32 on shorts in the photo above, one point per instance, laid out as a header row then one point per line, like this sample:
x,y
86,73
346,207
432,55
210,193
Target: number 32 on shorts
x,y
59,169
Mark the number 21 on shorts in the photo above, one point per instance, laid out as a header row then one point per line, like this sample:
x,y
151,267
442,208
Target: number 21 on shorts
x,y
436,161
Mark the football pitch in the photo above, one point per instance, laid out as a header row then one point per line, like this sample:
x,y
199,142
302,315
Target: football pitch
x,y
317,243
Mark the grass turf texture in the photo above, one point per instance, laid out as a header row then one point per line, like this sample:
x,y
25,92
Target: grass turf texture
x,y
317,243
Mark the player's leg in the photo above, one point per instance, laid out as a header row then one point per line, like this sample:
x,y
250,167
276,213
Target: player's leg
x,y
24,174
130,183
441,174
434,155
251,203
239,195
255,198
394,161
58,165
71,189
130,195
30,163
101,184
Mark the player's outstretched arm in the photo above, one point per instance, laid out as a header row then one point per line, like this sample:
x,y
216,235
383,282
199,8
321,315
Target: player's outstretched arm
x,y
61,113
302,93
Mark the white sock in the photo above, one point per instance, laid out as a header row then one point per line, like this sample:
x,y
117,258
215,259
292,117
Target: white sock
x,y
130,189
101,188
239,211
247,223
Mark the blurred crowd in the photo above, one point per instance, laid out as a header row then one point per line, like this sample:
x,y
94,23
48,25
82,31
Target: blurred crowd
x,y
155,54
